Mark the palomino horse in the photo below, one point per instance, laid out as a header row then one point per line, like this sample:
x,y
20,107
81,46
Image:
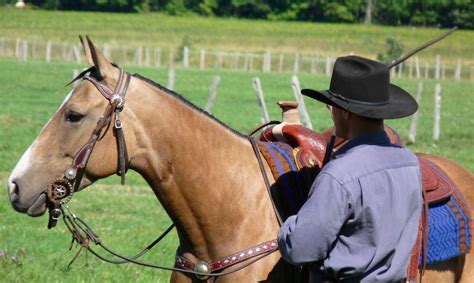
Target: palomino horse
x,y
204,174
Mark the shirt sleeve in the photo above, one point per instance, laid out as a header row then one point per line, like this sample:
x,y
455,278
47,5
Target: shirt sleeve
x,y
307,236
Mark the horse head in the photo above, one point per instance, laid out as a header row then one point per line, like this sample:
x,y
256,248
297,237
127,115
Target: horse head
x,y
58,144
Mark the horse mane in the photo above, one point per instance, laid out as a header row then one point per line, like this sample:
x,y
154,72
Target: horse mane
x,y
188,103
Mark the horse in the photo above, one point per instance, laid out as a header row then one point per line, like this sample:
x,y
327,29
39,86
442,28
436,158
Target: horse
x,y
204,174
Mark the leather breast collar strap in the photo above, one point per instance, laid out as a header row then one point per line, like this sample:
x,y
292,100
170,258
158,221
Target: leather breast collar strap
x,y
61,190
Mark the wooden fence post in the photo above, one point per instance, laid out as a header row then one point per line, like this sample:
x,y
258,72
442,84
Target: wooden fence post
x,y
212,94
328,66
48,51
171,76
147,56
457,73
427,70
437,113
417,67
400,70
219,60
280,63
261,100
438,68
410,70
267,61
414,121
24,51
202,59
17,48
185,57
295,85
171,59
296,63
157,57
2,46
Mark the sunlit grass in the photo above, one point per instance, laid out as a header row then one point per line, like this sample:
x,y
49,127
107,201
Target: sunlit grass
x,y
128,218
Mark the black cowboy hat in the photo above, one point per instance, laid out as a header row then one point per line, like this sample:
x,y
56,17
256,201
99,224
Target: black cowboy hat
x,y
362,86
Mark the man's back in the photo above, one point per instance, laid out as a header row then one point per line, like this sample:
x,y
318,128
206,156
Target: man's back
x,y
385,212
362,215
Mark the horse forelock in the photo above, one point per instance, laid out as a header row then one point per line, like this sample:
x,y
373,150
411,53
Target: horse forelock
x,y
187,102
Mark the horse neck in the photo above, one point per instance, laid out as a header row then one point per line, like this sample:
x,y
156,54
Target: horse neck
x,y
205,176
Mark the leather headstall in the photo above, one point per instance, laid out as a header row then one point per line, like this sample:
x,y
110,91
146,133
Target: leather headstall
x,y
61,190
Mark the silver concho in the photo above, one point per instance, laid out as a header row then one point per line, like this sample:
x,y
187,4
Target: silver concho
x,y
70,173
202,267
60,189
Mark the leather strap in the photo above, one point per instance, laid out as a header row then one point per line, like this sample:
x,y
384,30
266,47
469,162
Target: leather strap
x,y
265,179
235,258
61,190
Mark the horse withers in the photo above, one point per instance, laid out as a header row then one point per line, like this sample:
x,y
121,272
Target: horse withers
x,y
205,174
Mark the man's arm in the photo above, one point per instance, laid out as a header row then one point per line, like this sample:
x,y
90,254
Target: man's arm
x,y
307,236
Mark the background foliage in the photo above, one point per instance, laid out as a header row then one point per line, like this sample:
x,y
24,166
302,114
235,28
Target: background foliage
x,y
443,13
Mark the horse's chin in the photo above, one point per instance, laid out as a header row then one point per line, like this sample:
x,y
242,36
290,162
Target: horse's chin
x,y
38,207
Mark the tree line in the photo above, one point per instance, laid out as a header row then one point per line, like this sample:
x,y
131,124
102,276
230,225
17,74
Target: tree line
x,y
441,13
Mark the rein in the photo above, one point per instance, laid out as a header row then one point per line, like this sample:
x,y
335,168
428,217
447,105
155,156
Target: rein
x,y
60,192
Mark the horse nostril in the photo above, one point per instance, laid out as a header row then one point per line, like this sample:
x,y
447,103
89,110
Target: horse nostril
x,y
13,189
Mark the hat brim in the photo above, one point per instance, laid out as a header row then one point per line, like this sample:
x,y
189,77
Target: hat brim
x,y
401,104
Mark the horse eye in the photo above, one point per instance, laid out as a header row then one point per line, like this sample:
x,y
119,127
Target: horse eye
x,y
73,117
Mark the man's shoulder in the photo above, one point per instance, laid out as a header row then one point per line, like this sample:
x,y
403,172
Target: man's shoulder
x,y
363,160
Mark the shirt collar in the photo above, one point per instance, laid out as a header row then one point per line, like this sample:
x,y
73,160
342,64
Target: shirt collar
x,y
379,138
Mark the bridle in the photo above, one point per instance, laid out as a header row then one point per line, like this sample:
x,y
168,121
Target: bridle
x,y
60,192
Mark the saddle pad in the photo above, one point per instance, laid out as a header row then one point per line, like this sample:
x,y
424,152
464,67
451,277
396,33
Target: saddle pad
x,y
291,187
449,228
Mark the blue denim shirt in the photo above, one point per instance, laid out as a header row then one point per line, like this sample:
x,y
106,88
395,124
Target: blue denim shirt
x,y
361,218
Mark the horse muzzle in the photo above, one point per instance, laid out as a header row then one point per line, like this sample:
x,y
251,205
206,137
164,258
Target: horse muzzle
x,y
34,208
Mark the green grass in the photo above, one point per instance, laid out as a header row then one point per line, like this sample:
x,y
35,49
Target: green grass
x,y
128,218
228,34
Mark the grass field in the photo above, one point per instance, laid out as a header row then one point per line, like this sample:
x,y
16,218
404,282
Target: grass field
x,y
30,94
228,34
128,218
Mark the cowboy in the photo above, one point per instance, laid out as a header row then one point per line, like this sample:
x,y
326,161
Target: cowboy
x,y
360,221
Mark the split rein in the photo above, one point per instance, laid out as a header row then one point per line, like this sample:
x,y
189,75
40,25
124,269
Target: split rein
x,y
60,192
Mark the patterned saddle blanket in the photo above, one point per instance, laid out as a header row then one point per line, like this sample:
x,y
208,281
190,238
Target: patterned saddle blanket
x,y
449,223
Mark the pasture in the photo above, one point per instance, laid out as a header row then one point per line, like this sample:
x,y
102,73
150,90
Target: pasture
x,y
227,34
31,93
128,218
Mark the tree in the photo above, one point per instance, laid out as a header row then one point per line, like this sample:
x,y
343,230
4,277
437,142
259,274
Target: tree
x,y
368,12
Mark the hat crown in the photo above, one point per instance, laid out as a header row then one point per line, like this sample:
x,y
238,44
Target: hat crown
x,y
360,80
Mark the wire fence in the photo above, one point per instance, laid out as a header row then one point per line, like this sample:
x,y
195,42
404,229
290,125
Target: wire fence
x,y
158,57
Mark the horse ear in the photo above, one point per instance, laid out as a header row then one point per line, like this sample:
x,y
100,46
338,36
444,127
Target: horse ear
x,y
87,51
96,58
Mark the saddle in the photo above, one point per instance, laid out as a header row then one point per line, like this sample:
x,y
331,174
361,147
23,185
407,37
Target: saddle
x,y
311,146
309,149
